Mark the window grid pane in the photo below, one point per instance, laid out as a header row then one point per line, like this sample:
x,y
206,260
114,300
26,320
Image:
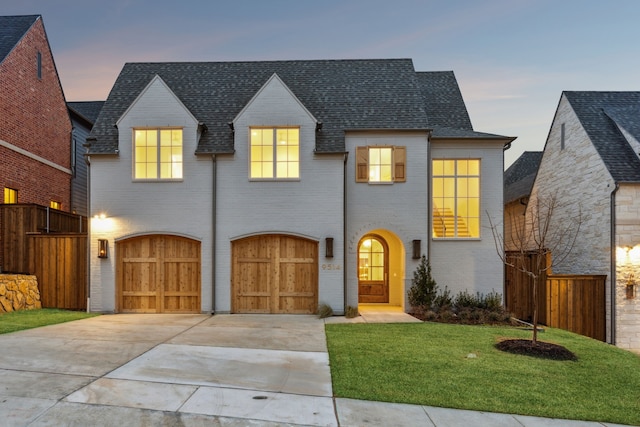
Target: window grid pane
x,y
456,198
380,164
157,154
275,151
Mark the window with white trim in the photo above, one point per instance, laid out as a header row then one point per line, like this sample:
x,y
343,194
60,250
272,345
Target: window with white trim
x,y
274,153
157,154
456,198
381,164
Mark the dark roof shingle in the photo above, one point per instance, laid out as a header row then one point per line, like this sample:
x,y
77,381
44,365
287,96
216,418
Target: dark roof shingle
x,y
342,94
88,110
12,29
600,114
519,177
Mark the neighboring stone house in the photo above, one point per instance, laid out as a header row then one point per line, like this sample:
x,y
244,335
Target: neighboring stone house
x,y
35,128
276,186
83,116
591,164
518,181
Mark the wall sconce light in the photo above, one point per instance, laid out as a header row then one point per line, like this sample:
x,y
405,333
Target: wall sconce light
x,y
103,248
416,249
631,287
328,247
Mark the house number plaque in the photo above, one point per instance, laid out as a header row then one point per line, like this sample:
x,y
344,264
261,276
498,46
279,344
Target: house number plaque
x,y
331,267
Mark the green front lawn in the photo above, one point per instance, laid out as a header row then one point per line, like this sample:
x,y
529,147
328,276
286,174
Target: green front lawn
x,y
433,364
28,319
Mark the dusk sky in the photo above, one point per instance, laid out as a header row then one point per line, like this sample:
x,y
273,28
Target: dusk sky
x,y
512,58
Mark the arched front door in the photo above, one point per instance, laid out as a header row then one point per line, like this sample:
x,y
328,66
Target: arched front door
x,y
373,270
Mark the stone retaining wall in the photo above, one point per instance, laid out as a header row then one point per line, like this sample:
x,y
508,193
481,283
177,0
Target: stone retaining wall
x,y
18,292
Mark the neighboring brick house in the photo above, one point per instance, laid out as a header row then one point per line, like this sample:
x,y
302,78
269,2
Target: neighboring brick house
x,y
83,116
591,164
518,181
275,186
35,129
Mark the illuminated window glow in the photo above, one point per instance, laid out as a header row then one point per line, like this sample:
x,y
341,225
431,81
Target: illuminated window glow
x,y
10,195
380,164
456,198
274,153
157,154
55,205
371,260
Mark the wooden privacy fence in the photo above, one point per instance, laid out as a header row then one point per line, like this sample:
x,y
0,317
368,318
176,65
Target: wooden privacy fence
x,y
18,220
572,302
577,304
59,262
518,290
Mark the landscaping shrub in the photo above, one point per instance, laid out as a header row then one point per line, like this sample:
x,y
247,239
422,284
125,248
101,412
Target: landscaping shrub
x,y
424,288
324,310
430,303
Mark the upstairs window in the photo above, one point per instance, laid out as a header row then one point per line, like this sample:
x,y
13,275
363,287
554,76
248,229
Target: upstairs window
x,y
456,198
10,196
55,205
274,153
157,154
381,164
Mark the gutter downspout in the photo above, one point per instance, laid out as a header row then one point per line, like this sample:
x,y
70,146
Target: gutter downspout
x,y
613,264
213,234
344,233
87,160
429,201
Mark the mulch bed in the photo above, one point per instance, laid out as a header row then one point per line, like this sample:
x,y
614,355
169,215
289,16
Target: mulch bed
x,y
544,350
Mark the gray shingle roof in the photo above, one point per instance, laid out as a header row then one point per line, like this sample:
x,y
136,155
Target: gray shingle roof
x,y
12,29
519,177
88,110
600,113
342,94
443,100
446,111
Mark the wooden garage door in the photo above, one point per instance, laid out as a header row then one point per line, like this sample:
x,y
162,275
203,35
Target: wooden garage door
x,y
158,274
275,274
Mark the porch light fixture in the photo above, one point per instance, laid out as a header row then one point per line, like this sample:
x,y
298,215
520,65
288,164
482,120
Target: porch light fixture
x,y
103,248
630,287
328,247
416,249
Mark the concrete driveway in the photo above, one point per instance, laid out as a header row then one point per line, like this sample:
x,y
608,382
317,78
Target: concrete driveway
x,y
197,370
129,369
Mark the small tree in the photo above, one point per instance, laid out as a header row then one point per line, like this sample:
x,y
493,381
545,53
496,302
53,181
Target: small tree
x,y
424,288
543,234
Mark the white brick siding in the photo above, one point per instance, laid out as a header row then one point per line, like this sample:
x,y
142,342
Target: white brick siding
x,y
182,208
311,207
397,212
473,264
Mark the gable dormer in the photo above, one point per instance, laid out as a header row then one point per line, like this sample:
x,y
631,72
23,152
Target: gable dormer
x,y
273,129
155,132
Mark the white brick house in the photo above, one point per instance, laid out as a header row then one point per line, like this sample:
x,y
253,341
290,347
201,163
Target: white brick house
x,y
272,187
591,162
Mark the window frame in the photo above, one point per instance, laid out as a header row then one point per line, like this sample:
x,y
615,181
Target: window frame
x,y
274,154
158,161
398,164
456,176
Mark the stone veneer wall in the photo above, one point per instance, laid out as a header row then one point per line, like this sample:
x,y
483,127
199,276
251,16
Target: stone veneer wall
x,y
628,266
18,292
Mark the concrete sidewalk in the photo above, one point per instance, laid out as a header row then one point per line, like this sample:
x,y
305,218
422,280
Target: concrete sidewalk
x,y
196,370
